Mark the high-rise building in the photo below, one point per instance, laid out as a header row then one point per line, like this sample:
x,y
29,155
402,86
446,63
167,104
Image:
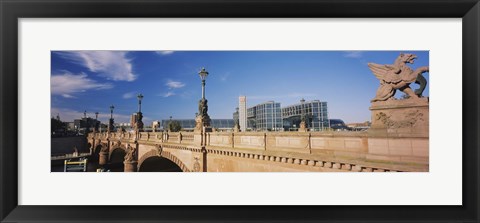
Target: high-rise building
x,y
265,117
133,119
315,112
242,113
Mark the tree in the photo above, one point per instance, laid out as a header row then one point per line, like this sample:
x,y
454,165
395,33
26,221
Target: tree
x,y
57,125
174,126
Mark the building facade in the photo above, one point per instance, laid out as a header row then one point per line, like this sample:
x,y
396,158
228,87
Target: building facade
x,y
242,113
189,124
265,117
85,124
315,112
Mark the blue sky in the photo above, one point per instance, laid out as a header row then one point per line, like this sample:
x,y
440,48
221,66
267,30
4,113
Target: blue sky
x,y
169,81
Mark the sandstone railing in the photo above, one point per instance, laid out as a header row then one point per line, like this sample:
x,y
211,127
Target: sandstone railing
x,y
362,146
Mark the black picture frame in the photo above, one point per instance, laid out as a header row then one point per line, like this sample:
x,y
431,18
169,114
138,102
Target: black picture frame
x,y
11,11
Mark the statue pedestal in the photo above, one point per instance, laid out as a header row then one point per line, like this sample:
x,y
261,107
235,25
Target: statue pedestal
x,y
407,117
130,166
103,158
202,123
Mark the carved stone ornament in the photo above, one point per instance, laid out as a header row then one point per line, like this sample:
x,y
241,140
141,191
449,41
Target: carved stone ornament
x,y
196,165
104,148
398,76
411,118
159,150
130,156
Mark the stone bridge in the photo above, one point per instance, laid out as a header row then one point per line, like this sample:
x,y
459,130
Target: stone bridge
x,y
327,151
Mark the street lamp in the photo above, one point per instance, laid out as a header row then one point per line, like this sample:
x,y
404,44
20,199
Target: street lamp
x,y
111,111
96,122
139,123
303,109
110,122
203,75
202,120
140,97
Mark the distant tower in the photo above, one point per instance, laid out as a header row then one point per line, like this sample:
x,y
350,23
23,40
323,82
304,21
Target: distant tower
x,y
242,113
133,120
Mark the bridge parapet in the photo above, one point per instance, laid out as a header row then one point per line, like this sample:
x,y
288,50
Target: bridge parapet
x,y
399,152
188,138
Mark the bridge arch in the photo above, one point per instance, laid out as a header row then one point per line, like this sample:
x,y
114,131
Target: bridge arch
x,y
99,146
115,147
162,154
115,159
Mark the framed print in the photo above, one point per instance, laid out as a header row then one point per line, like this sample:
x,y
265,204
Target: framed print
x,y
271,111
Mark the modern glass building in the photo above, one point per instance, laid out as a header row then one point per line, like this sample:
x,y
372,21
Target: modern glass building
x,y
316,114
189,124
265,117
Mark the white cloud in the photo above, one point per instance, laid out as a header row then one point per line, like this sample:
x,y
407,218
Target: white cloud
x,y
353,54
164,52
129,95
68,96
112,65
174,84
168,94
67,84
225,76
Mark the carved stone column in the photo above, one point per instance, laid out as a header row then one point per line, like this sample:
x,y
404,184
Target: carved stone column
x,y
130,166
130,162
103,158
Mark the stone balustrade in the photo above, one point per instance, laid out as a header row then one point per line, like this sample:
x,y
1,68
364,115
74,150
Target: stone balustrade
x,y
341,150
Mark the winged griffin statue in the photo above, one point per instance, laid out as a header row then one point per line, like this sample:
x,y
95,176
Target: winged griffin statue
x,y
398,76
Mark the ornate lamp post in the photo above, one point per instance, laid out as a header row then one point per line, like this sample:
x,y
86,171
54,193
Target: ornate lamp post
x,y
140,97
110,122
203,76
111,111
95,129
202,119
139,123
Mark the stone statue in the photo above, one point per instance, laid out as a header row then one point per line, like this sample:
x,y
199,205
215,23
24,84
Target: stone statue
x,y
130,156
203,107
139,123
202,119
104,148
236,126
75,151
398,76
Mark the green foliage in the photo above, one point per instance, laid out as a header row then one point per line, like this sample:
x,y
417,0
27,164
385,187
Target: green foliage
x,y
56,124
174,126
